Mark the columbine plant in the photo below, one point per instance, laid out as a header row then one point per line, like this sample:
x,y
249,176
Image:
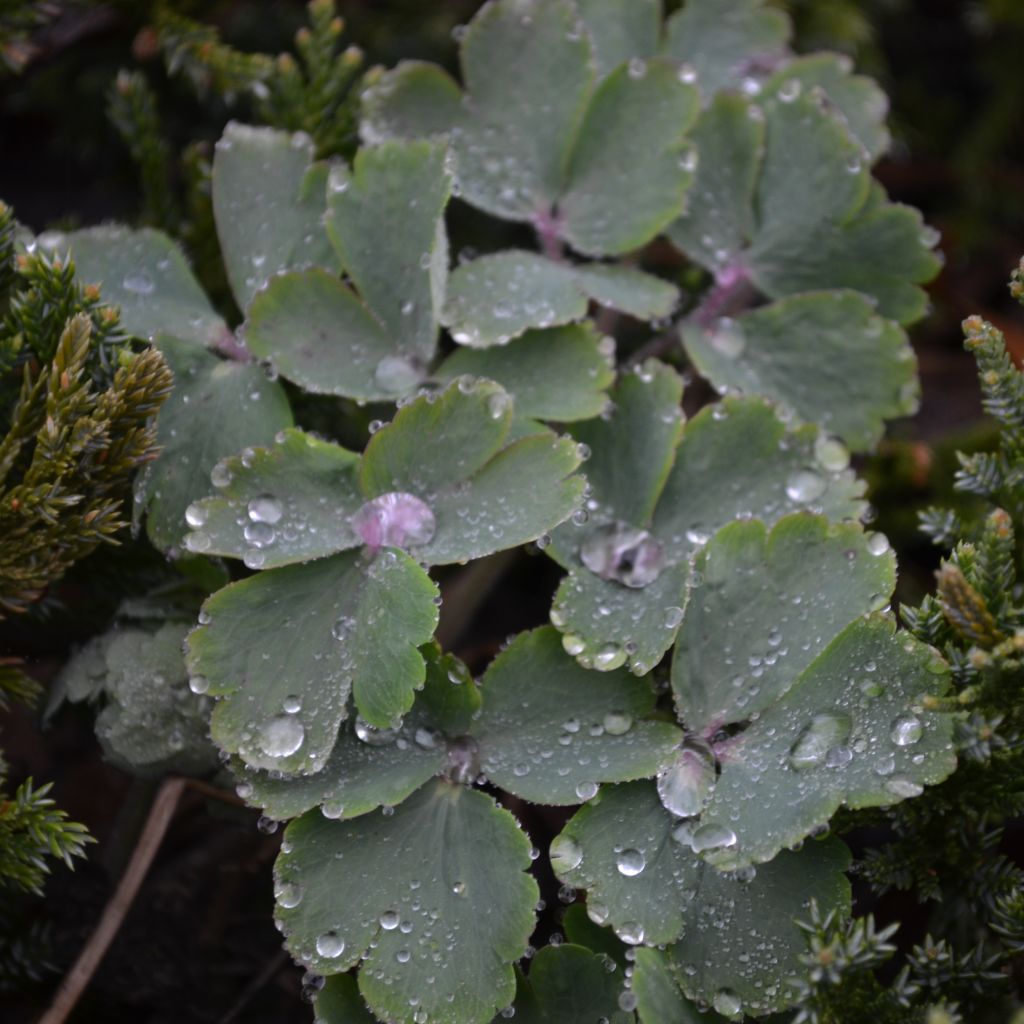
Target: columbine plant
x,y
721,672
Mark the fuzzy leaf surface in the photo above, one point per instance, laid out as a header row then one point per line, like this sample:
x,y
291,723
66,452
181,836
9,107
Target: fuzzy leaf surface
x,y
289,502
568,984
628,173
378,768
859,100
559,374
339,1002
735,459
268,202
851,730
712,916
605,154
722,40
826,355
770,601
146,275
450,451
495,298
310,635
549,727
621,30
150,723
449,850
720,220
217,408
384,219
814,219
659,1000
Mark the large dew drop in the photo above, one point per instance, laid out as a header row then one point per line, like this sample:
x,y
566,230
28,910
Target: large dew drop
x,y
565,854
395,520
623,553
822,734
630,862
330,945
727,1003
264,509
686,785
281,736
907,730
712,836
396,375
805,486
371,735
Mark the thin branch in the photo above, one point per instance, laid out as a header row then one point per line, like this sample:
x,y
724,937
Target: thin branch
x,y
267,974
77,979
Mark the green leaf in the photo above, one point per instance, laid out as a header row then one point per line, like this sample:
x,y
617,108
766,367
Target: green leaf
x,y
736,459
371,768
268,201
719,220
608,157
216,409
812,173
825,355
581,930
820,222
743,917
622,849
448,850
150,723
559,374
859,100
518,58
414,100
495,298
621,29
449,451
886,253
318,334
617,286
725,40
385,220
145,274
550,731
631,453
771,602
659,1000
306,636
339,1002
630,168
850,730
569,985
289,502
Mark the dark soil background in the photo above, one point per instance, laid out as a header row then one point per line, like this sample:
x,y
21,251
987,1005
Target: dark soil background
x,y
200,946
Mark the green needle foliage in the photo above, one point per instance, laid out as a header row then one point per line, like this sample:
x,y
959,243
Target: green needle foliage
x,y
311,91
32,829
78,426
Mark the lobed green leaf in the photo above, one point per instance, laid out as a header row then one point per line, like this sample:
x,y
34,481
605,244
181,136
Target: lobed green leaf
x,y
448,850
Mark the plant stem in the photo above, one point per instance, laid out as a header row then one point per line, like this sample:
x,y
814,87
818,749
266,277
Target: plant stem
x,y
548,228
78,978
731,292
